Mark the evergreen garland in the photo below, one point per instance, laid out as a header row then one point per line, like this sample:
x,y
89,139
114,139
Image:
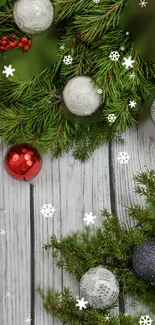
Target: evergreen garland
x,y
110,245
32,111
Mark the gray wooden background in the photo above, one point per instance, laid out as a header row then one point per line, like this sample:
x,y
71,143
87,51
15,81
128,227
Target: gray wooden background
x,y
73,188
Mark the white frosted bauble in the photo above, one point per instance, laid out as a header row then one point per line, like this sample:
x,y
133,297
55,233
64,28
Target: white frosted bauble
x,y
33,16
99,287
153,111
81,97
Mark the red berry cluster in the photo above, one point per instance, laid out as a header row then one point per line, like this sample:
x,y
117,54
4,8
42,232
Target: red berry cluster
x,y
6,44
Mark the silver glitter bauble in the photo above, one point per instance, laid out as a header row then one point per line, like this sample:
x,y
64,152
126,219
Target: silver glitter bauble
x,y
99,287
144,261
33,16
81,97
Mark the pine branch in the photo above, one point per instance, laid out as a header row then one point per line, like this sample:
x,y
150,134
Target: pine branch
x,y
62,307
88,33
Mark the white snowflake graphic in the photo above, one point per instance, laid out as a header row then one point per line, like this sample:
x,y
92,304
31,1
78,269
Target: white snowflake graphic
x,y
99,91
89,218
96,1
67,59
81,303
127,33
128,63
132,75
62,47
123,157
107,317
122,48
114,56
145,320
8,70
47,210
143,3
132,103
28,320
111,118
8,294
2,232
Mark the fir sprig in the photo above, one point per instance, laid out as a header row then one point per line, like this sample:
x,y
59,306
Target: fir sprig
x,y
62,306
111,245
88,32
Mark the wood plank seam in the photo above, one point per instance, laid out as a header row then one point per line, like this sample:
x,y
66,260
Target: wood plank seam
x,y
32,254
114,210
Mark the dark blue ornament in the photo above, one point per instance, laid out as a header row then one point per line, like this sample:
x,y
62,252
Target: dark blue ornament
x,y
144,261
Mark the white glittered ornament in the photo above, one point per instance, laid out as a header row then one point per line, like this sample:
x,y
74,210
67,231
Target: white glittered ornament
x,y
81,97
153,112
99,287
33,16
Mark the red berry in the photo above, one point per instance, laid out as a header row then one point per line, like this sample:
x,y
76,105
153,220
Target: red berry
x,y
4,38
26,48
2,48
15,42
24,40
29,43
14,36
20,44
4,43
8,46
12,44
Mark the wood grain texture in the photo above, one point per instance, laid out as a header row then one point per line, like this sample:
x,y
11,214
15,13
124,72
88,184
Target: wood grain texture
x,y
15,269
142,156
73,188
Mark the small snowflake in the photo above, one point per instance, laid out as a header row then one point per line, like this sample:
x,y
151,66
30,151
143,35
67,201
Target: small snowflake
x,y
145,320
81,303
62,47
132,75
8,294
127,33
142,3
47,210
114,56
107,317
122,48
99,91
2,232
28,320
111,118
96,1
128,63
132,103
89,218
67,59
8,70
123,157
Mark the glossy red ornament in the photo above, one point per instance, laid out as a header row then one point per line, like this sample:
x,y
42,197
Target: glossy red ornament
x,y
23,162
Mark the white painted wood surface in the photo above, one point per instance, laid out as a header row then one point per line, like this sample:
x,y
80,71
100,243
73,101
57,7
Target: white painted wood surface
x,y
73,188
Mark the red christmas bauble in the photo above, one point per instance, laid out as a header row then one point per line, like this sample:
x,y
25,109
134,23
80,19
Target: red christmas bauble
x,y
23,162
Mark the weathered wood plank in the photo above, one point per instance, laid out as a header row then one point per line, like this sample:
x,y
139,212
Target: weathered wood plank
x,y
73,188
85,188
142,156
15,273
